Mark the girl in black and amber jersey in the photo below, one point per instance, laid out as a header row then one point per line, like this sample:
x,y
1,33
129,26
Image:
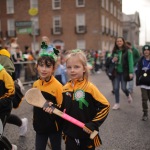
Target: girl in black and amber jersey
x,y
83,101
45,125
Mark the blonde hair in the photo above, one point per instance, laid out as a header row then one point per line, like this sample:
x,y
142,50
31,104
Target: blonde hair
x,y
82,58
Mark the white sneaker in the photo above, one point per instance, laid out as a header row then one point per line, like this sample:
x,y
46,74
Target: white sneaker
x,y
116,106
98,72
130,98
20,85
23,128
14,147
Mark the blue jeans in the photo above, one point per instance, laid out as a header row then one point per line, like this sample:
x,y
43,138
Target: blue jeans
x,y
41,141
119,79
130,84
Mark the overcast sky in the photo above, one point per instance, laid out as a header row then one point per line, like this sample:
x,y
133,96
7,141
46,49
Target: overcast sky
x,y
143,7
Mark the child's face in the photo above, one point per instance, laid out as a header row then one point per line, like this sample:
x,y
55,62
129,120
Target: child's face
x,y
45,70
146,53
75,68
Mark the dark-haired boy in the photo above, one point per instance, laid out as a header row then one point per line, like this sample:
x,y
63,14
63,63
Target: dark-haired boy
x,y
143,79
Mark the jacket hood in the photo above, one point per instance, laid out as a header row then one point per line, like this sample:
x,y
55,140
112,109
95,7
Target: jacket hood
x,y
4,52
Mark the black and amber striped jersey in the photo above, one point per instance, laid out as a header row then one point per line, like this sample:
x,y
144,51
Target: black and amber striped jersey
x,y
42,121
6,91
83,101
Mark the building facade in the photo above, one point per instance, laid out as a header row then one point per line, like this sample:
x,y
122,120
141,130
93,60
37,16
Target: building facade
x,y
131,28
70,24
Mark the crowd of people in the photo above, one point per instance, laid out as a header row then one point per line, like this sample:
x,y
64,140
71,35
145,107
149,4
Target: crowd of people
x,y
62,79
125,64
10,96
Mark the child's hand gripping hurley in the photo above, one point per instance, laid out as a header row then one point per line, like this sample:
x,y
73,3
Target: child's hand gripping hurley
x,y
34,97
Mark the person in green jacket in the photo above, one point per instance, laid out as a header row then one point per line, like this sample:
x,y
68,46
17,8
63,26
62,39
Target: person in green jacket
x,y
123,59
136,57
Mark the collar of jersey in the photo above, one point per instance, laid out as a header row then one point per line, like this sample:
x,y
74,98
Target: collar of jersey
x,y
47,82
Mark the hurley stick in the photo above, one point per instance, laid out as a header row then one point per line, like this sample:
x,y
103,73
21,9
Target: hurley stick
x,y
34,97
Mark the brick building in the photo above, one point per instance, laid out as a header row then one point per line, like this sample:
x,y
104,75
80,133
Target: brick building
x,y
84,24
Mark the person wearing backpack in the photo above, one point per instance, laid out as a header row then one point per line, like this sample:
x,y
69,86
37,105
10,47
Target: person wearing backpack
x,y
122,57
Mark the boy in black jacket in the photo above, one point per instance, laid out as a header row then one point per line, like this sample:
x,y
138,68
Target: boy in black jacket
x,y
143,79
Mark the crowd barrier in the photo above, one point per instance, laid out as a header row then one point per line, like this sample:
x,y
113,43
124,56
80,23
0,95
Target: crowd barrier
x,y
28,72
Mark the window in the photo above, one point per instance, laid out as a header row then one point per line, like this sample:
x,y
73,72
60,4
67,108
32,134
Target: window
x,y
115,11
56,4
11,27
103,3
33,3
107,5
80,3
81,44
111,7
80,23
10,6
115,29
107,25
111,28
103,23
57,25
103,20
103,44
119,15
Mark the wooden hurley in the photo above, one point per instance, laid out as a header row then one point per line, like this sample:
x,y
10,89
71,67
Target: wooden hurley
x,y
34,97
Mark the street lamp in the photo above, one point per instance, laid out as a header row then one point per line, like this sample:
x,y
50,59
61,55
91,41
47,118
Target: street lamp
x,y
33,12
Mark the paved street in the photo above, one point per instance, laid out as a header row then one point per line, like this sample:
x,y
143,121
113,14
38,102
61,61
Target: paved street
x,y
122,130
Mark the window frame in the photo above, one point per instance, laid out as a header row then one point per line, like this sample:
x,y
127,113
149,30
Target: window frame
x,y
10,6
80,3
80,23
11,27
56,2
34,4
57,27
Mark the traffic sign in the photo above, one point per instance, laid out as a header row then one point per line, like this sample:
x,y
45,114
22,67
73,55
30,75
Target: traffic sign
x,y
24,30
23,23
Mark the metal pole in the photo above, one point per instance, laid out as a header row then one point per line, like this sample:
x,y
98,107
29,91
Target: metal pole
x,y
34,36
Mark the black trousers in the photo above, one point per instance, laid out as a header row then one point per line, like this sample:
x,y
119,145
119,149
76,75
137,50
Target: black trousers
x,y
145,97
41,141
4,142
79,144
14,119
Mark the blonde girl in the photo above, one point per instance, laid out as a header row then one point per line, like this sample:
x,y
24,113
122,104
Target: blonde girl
x,y
83,101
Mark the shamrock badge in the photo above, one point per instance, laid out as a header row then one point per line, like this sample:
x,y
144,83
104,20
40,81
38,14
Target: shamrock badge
x,y
79,96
